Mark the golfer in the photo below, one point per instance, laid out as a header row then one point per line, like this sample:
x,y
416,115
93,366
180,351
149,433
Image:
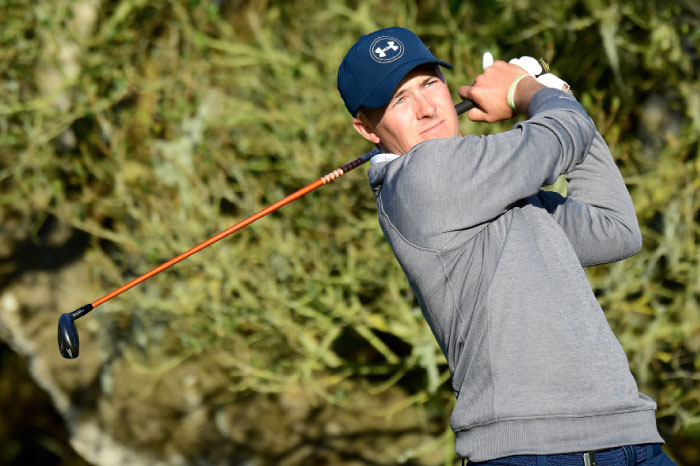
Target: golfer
x,y
496,263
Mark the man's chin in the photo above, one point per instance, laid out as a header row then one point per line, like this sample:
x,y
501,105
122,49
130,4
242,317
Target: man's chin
x,y
442,131
435,135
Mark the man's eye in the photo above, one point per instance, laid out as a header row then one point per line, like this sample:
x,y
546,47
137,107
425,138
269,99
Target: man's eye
x,y
430,83
398,101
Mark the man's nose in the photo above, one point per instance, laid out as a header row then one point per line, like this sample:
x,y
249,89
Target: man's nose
x,y
424,106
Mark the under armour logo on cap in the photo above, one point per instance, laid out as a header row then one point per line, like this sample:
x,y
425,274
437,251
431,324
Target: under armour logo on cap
x,y
386,49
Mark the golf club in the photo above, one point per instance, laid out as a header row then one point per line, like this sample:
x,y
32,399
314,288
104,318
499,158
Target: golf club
x,y
68,341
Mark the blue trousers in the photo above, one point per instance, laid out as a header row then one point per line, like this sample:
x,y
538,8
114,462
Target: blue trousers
x,y
648,455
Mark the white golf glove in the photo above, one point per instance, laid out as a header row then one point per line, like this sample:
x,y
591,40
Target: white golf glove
x,y
534,68
487,60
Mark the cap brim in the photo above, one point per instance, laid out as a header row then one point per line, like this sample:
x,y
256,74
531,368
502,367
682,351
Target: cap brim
x,y
382,93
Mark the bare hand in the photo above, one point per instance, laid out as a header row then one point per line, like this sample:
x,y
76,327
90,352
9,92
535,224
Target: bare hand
x,y
490,92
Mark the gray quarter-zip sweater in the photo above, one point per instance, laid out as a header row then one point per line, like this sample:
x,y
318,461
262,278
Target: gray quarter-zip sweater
x,y
497,267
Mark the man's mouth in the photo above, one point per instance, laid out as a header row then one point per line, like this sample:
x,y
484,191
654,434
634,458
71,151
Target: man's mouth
x,y
433,129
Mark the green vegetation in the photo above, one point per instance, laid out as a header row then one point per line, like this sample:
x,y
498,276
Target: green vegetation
x,y
152,125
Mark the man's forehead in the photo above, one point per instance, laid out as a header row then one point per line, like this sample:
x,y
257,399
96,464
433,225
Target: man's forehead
x,y
425,72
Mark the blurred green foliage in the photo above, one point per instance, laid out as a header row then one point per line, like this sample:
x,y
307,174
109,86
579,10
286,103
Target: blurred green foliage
x,y
152,125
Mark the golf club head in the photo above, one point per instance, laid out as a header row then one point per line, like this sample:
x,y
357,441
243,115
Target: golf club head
x,y
68,343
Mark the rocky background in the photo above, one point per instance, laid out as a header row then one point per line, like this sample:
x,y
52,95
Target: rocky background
x,y
132,130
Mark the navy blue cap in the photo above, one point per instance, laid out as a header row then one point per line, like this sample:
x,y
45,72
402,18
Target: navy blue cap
x,y
376,64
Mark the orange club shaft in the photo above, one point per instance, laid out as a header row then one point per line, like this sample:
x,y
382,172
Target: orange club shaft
x,y
233,228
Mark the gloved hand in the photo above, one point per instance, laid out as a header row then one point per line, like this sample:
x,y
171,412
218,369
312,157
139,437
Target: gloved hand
x,y
534,67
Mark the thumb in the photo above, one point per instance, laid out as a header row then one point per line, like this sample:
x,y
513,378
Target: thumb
x,y
465,92
476,114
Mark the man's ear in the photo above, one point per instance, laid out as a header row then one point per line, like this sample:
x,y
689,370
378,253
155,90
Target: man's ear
x,y
366,130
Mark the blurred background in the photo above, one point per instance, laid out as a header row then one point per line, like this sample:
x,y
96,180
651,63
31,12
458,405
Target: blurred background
x,y
132,130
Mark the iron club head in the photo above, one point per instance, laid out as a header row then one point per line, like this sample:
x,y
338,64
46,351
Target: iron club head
x,y
68,343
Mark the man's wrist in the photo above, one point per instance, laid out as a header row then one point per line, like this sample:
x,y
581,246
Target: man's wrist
x,y
511,91
523,93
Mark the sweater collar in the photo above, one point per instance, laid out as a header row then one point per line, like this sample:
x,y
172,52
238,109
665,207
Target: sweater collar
x,y
377,170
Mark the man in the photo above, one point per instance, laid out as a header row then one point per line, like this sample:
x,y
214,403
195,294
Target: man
x,y
496,263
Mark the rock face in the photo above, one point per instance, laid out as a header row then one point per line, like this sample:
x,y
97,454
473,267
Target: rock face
x,y
31,431
31,300
121,407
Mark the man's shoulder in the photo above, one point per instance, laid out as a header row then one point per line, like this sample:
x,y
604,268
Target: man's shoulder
x,y
437,155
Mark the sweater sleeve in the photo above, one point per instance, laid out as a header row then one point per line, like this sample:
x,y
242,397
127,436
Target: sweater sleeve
x,y
597,215
444,187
